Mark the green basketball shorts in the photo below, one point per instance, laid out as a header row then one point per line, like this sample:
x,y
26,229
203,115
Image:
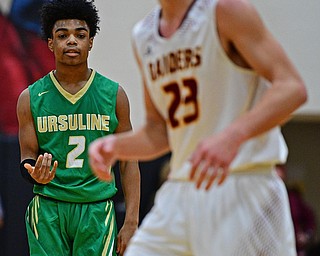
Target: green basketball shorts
x,y
57,228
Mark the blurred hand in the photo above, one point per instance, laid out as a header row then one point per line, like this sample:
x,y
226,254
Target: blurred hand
x,y
102,157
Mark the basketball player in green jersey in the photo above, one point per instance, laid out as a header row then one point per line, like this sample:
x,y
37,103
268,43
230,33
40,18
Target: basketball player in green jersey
x,y
59,115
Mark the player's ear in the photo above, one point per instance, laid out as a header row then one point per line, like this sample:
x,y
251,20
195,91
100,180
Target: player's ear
x,y
90,43
50,44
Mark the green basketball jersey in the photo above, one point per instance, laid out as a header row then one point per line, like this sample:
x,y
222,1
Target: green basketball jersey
x,y
65,125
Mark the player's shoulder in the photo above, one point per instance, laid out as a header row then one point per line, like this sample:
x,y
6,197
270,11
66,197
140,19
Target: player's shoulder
x,y
41,84
25,94
236,15
99,78
233,6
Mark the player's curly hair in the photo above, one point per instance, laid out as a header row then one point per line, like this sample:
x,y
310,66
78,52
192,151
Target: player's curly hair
x,y
54,10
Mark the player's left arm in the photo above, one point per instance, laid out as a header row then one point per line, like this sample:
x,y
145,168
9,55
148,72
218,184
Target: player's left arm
x,y
130,178
242,26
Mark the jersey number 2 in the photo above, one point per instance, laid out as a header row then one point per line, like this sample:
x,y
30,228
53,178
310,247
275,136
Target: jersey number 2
x,y
72,161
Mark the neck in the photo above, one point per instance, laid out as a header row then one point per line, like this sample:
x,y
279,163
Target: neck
x,y
72,74
72,79
173,12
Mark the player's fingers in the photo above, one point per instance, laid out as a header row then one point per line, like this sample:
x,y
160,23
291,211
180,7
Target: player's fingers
x,y
45,167
29,167
107,175
47,171
52,173
38,162
118,245
223,175
212,177
55,166
36,172
46,161
203,172
98,162
195,161
102,172
193,172
95,150
122,249
96,165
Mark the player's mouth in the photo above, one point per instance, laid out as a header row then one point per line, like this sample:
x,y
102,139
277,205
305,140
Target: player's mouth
x,y
71,52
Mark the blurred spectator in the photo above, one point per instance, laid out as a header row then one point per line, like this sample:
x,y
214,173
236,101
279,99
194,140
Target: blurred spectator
x,y
24,57
303,216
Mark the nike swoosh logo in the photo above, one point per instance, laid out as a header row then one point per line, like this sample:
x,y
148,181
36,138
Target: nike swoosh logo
x,y
41,93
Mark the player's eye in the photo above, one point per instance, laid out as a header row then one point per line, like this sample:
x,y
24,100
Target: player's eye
x,y
62,36
81,36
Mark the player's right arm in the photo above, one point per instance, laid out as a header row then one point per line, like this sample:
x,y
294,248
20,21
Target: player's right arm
x,y
34,168
148,142
151,140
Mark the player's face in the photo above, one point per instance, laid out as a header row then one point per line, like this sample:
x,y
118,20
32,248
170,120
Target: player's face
x,y
70,42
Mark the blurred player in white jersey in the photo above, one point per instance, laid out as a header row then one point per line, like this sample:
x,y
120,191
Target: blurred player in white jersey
x,y
217,88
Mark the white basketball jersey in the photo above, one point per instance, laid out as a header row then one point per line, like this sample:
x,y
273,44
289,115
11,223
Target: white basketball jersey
x,y
198,90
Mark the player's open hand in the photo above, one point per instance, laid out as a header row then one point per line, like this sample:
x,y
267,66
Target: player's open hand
x,y
42,172
102,157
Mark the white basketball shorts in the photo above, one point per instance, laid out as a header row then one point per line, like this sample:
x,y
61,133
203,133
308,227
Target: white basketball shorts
x,y
248,215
